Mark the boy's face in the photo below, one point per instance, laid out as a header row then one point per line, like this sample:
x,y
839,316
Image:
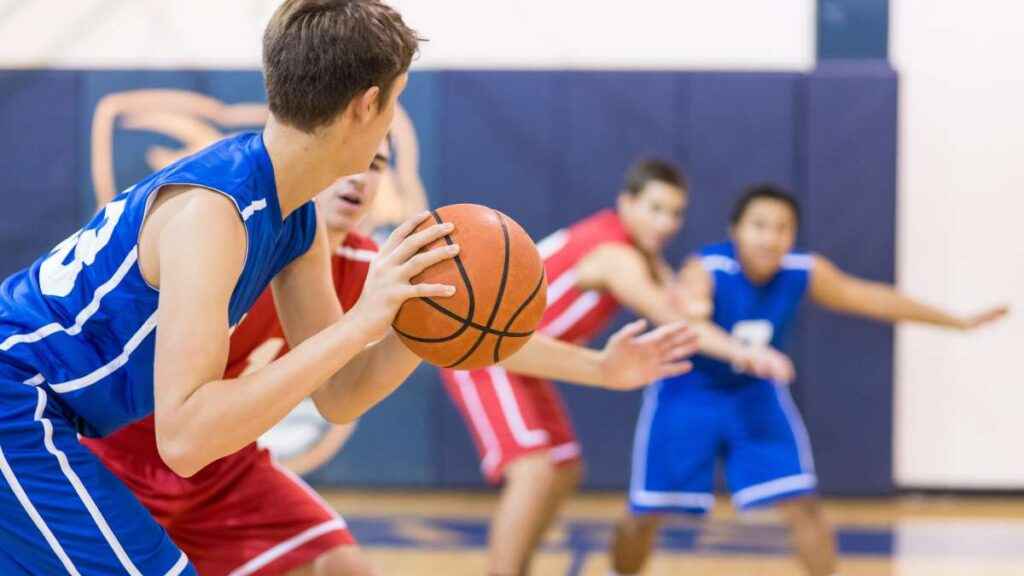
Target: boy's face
x,y
654,214
764,234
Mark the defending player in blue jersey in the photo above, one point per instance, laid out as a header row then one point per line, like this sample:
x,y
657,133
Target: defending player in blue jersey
x,y
735,405
131,314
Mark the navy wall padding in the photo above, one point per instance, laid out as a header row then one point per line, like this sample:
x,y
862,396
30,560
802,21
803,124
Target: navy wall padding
x,y
846,369
548,147
39,156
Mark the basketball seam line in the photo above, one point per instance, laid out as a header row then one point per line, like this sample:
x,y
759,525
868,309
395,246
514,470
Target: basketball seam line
x,y
466,322
497,299
501,337
503,333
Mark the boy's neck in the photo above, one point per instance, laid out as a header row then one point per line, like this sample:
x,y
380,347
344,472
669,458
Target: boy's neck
x,y
304,163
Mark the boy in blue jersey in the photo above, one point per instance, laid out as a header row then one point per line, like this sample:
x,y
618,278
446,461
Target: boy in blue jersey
x,y
189,249
743,296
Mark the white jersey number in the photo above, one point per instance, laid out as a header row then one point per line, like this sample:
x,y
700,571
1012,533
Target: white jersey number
x,y
57,278
754,333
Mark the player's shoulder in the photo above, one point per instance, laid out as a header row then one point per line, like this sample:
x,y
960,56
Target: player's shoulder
x,y
357,248
719,257
799,261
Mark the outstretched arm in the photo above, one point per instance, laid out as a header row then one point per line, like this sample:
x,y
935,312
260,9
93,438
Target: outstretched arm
x,y
841,292
697,287
633,281
631,359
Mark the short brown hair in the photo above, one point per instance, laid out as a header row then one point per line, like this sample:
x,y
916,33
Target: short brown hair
x,y
320,54
647,170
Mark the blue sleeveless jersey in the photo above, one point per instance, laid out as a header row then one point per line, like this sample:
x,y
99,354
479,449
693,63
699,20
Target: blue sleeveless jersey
x,y
81,320
759,314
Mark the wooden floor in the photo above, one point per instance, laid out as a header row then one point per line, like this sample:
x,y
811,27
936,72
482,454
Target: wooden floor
x,y
445,534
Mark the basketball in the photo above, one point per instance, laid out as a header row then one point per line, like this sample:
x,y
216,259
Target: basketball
x,y
501,292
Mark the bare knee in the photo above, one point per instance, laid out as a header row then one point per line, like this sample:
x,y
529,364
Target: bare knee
x,y
644,523
569,475
539,469
343,561
802,510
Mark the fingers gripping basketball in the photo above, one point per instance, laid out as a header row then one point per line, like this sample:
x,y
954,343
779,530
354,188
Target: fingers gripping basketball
x,y
500,298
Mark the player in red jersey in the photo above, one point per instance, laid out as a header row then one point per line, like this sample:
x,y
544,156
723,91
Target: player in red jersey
x,y
519,423
292,530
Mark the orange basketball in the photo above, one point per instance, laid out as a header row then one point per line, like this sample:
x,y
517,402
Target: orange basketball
x,y
501,292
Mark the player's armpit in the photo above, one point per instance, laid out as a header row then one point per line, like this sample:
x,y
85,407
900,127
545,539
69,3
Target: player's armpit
x,y
627,275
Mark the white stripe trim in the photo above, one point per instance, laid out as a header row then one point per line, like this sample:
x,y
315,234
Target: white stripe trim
x,y
35,380
287,546
563,452
355,254
796,426
309,491
690,500
798,262
86,313
719,263
79,487
638,493
550,246
577,310
478,416
252,208
758,492
510,408
22,497
109,367
179,566
559,286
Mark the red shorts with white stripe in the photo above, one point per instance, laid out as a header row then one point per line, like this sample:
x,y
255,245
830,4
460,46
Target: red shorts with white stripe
x,y
243,514
511,415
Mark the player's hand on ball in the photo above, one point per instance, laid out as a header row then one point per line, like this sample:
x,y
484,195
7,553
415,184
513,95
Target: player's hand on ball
x,y
633,359
388,282
987,317
766,362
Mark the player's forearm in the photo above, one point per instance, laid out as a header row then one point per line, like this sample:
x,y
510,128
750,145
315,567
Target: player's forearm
x,y
223,416
369,378
546,357
715,342
884,303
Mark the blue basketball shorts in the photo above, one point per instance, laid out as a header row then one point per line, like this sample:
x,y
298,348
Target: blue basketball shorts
x,y
61,510
685,428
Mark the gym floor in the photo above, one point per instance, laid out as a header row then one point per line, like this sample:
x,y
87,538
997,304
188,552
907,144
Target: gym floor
x,y
446,534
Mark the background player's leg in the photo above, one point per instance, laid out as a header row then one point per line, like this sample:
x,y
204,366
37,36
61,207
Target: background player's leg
x,y
633,542
340,561
535,487
812,536
770,463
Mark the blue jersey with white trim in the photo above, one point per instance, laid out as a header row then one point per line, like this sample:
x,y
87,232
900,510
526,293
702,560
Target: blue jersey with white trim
x,y
757,314
81,320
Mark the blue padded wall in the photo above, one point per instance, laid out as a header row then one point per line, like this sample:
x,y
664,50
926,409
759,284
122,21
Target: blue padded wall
x,y
549,147
39,160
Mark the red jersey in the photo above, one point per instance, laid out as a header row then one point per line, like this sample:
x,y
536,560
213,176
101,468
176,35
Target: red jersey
x,y
573,314
256,341
511,415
